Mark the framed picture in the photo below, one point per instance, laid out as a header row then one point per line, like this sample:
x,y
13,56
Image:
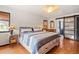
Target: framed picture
x,y
51,24
45,24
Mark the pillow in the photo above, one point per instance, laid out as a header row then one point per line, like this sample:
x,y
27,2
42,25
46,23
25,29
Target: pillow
x,y
26,29
37,29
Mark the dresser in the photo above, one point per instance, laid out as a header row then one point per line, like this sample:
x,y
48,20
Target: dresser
x,y
50,30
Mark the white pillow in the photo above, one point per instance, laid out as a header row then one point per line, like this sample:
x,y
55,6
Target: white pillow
x,y
28,30
37,29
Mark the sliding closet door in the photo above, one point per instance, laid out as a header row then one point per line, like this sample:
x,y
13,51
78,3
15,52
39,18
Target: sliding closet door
x,y
69,27
77,27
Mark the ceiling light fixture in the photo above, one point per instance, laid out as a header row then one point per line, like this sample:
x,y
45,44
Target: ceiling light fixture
x,y
51,8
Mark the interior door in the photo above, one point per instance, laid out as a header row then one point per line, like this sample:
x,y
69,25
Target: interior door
x,y
77,28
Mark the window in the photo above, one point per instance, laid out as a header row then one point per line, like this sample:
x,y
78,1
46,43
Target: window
x,y
4,26
4,21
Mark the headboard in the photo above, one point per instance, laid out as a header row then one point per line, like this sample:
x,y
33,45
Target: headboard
x,y
23,29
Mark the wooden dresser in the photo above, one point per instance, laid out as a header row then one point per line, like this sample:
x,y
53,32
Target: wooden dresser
x,y
50,30
13,39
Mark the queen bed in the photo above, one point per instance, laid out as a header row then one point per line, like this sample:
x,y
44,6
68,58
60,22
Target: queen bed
x,y
37,41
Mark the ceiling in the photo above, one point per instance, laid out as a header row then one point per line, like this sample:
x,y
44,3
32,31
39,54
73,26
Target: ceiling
x,y
38,9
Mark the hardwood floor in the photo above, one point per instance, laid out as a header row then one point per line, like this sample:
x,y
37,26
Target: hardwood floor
x,y
66,47
13,49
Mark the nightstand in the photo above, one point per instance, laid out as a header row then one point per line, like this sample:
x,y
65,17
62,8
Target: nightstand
x,y
13,39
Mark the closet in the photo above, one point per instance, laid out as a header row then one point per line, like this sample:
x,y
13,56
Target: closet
x,y
70,27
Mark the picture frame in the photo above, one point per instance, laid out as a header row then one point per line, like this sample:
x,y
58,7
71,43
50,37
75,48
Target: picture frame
x,y
51,24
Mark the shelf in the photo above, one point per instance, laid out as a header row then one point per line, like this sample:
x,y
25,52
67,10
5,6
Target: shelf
x,y
69,24
71,33
68,34
69,29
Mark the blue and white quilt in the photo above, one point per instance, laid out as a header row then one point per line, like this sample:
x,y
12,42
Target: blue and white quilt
x,y
35,40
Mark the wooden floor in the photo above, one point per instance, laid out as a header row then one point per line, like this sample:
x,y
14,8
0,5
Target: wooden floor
x,y
13,49
66,47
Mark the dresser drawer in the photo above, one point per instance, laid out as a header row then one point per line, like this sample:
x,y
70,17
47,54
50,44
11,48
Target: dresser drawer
x,y
44,48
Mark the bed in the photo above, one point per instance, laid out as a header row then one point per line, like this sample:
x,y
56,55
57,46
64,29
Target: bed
x,y
37,41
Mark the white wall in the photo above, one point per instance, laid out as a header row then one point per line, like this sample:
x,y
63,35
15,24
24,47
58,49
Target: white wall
x,y
23,17
20,18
